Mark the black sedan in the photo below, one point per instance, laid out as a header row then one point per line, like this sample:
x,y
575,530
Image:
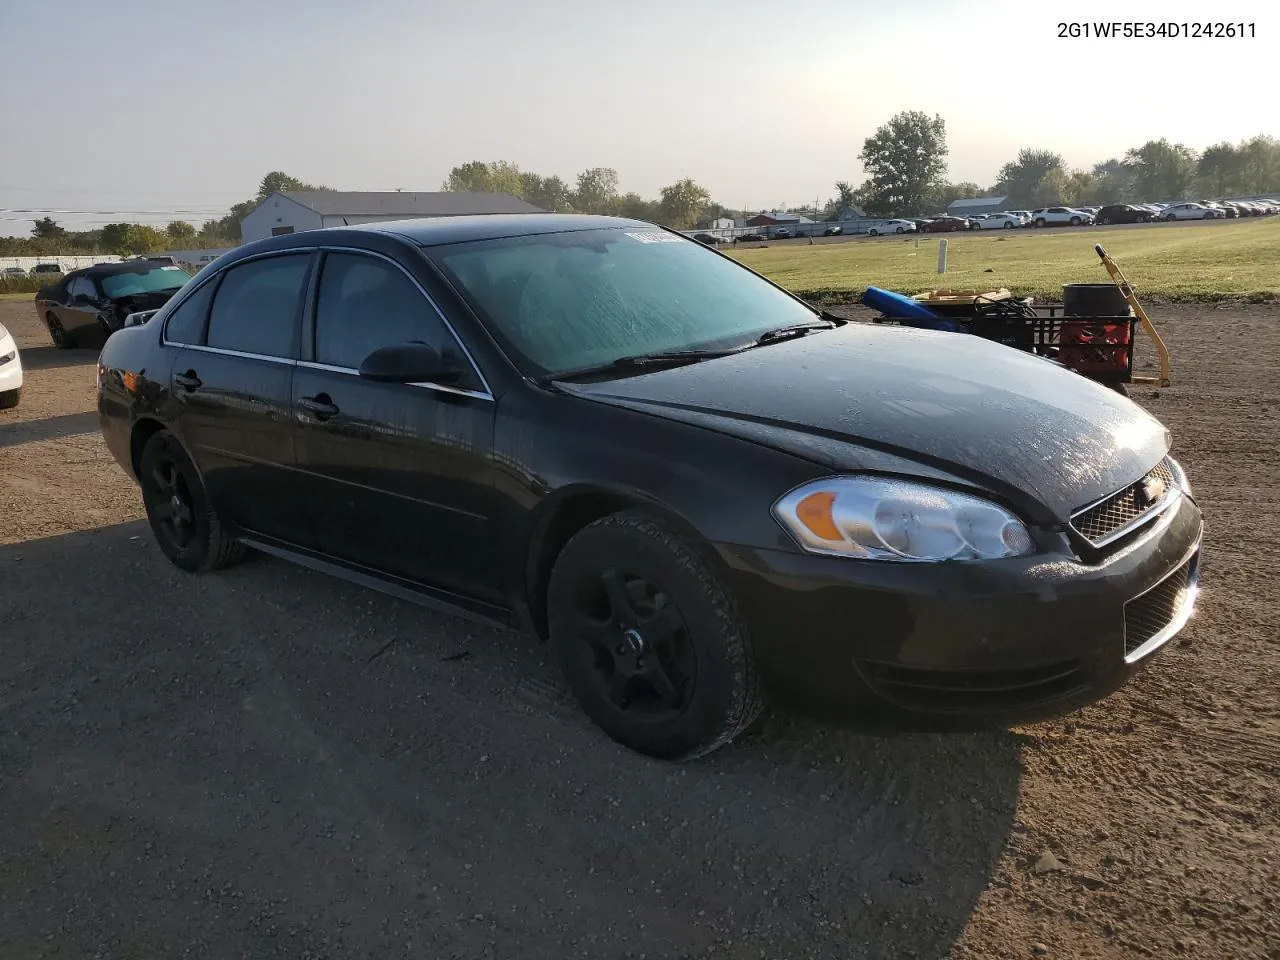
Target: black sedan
x,y
1122,213
694,485
94,301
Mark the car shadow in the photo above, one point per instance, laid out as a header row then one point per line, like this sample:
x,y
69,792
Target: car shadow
x,y
280,758
51,358
47,428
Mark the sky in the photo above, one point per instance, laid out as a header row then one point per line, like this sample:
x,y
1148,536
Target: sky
x,y
154,111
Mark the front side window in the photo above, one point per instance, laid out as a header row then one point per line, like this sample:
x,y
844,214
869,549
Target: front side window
x,y
81,287
364,304
570,301
256,307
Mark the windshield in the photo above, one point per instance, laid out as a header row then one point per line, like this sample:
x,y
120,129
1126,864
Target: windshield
x,y
571,301
143,281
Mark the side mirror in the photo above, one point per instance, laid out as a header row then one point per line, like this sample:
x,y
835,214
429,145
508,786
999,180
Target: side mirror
x,y
409,363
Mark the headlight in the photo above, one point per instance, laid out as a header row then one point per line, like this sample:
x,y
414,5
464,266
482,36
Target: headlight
x,y
6,357
878,518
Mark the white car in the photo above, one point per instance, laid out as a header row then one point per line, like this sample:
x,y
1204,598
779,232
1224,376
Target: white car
x,y
10,371
1190,211
892,226
1000,221
1060,217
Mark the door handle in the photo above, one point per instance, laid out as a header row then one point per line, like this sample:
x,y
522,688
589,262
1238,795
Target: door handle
x,y
187,381
319,406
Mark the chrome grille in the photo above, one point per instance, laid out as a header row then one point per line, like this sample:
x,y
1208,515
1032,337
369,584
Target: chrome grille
x,y
1117,514
1162,607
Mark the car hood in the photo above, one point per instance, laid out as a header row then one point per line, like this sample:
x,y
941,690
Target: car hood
x,y
870,397
150,300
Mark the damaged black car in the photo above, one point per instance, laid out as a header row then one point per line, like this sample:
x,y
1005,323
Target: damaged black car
x,y
95,301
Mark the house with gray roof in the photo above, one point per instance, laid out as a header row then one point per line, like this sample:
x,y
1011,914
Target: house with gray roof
x,y
975,205
297,210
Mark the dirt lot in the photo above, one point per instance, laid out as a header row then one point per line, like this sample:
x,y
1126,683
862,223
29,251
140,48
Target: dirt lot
x,y
268,763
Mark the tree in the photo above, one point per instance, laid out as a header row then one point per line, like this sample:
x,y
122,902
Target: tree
x,y
682,204
1020,179
1112,182
1260,165
277,181
179,231
637,208
1162,170
115,238
904,159
144,239
550,193
597,191
46,229
477,176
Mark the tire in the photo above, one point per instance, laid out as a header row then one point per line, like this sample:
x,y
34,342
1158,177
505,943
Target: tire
x,y
1075,221
1008,225
58,333
649,640
898,230
873,232
1105,221
1121,389
182,518
1170,218
9,399
1040,222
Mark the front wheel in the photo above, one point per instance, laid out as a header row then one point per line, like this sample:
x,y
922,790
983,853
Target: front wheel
x,y
1008,225
182,517
873,232
9,399
649,639
1040,222
898,230
1075,221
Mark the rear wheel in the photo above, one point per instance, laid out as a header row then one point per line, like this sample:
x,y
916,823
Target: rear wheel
x,y
58,333
182,518
649,639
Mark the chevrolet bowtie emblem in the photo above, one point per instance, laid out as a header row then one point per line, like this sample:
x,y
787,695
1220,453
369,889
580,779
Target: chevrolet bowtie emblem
x,y
1151,491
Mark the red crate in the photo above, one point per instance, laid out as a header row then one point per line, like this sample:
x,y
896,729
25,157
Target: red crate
x,y
1089,346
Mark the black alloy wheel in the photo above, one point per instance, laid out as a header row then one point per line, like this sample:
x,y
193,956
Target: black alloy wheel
x,y
57,332
187,528
649,640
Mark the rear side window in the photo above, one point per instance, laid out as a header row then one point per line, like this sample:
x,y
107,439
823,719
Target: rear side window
x,y
364,304
256,307
186,323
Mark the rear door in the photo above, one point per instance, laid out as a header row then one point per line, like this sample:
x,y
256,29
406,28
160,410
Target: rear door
x,y
398,476
232,383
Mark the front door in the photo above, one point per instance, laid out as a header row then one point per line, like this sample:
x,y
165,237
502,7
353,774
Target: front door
x,y
397,475
232,382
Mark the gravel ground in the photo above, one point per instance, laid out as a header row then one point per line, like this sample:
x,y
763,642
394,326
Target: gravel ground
x,y
269,763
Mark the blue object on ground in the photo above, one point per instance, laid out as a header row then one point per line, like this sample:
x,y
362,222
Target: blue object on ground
x,y
909,312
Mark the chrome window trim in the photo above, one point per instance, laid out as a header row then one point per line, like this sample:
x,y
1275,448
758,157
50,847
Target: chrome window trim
x,y
487,393
1174,626
224,352
1171,497
422,384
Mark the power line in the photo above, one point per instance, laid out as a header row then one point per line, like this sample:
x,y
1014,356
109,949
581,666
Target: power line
x,y
66,212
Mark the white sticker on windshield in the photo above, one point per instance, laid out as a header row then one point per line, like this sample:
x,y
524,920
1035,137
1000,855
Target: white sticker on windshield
x,y
170,268
654,236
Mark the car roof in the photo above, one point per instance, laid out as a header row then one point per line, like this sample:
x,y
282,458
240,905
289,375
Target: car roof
x,y
433,231
122,266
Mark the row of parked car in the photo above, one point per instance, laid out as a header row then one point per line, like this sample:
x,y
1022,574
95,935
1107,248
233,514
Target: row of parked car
x,y
1080,216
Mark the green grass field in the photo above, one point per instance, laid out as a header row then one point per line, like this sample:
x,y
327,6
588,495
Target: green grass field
x,y
1187,262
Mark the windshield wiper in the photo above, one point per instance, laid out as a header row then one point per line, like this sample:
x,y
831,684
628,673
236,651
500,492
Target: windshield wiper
x,y
665,358
794,330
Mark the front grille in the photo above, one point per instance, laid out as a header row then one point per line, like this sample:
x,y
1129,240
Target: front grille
x,y
1150,614
973,691
1120,512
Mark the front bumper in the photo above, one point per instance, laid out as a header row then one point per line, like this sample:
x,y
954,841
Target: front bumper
x,y
11,370
1005,641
